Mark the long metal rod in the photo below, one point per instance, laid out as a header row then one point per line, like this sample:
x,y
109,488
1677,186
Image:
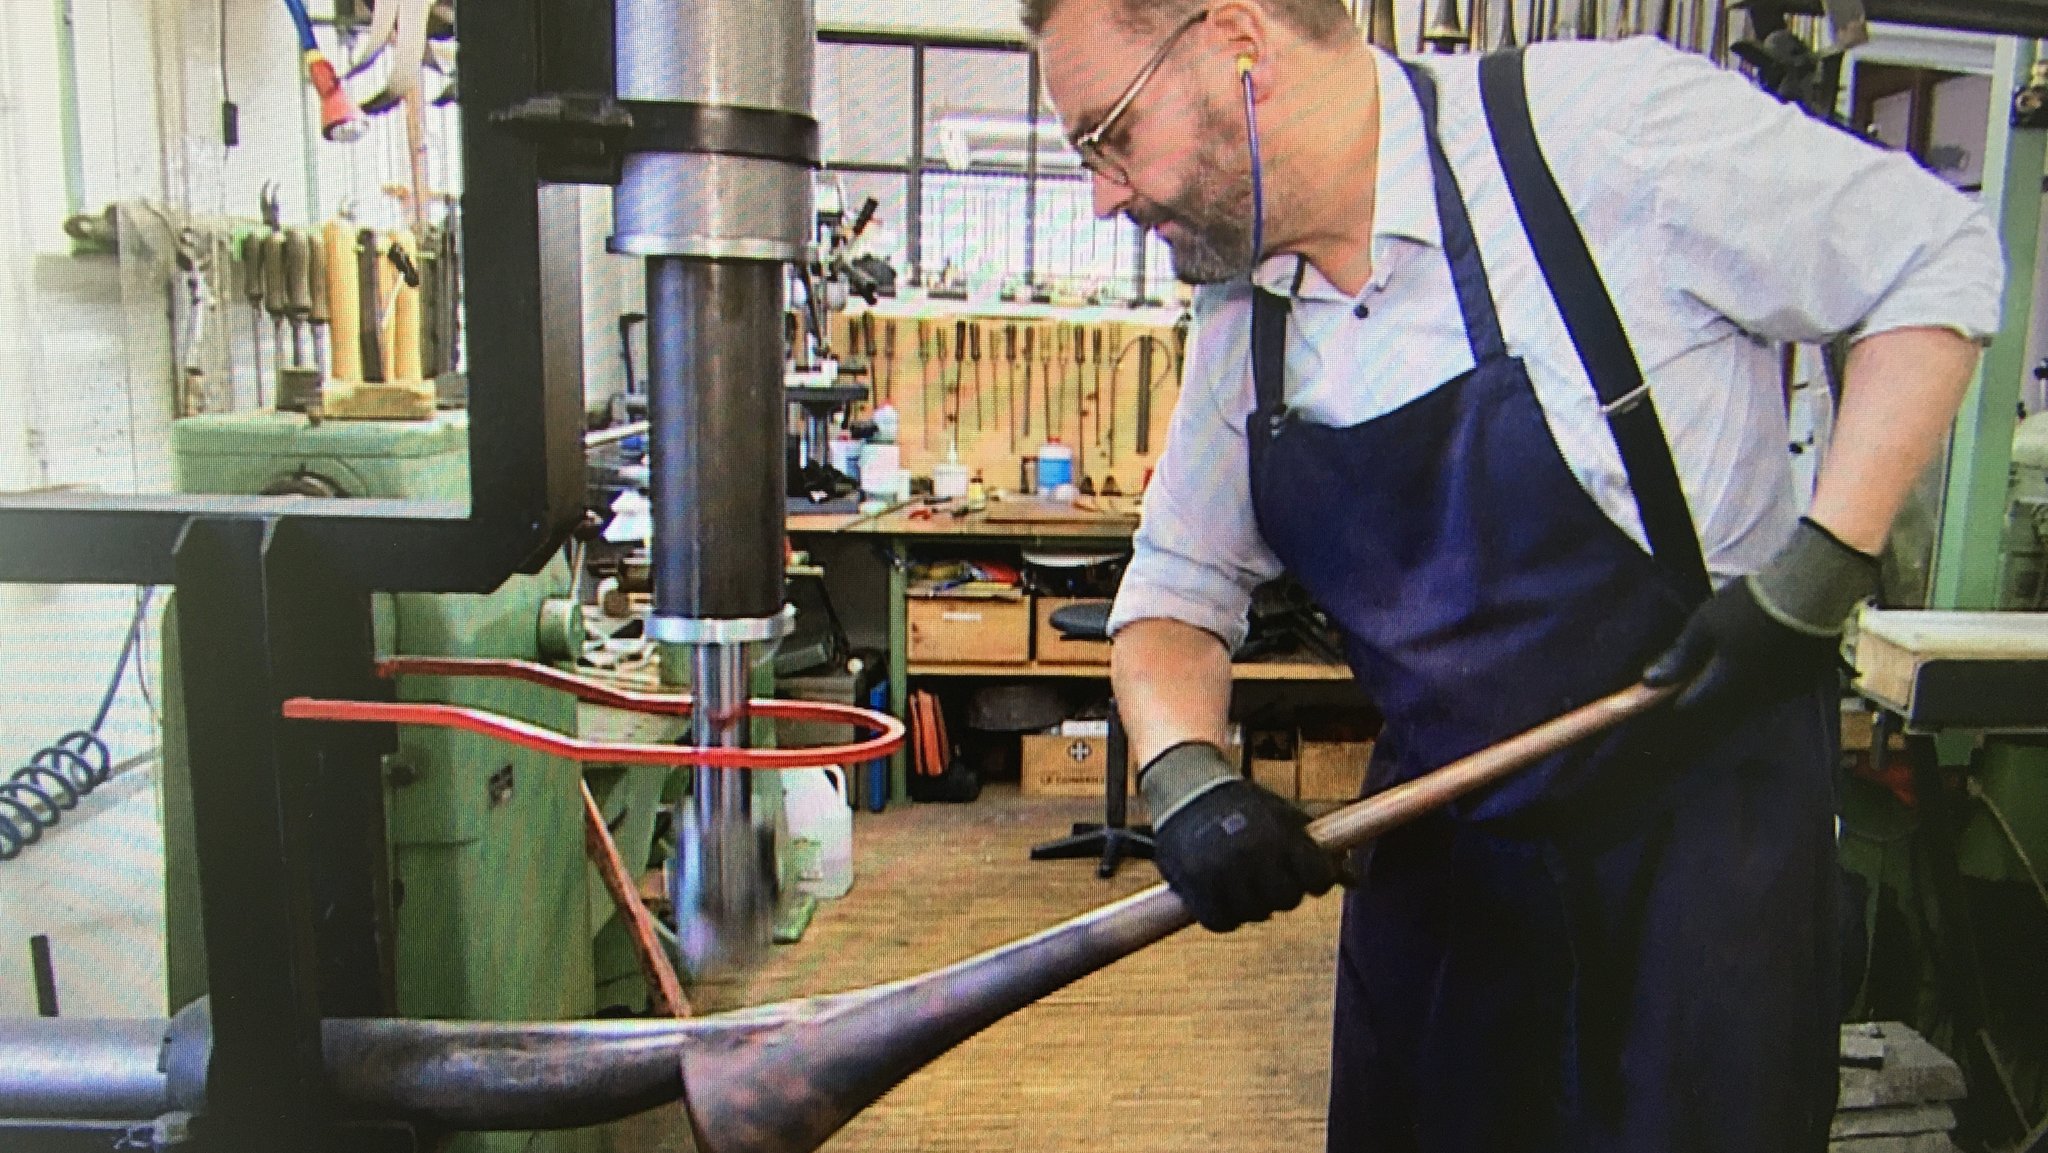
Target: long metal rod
x,y
777,1079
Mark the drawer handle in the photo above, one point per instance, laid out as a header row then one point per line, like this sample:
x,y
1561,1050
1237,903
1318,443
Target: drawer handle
x,y
964,618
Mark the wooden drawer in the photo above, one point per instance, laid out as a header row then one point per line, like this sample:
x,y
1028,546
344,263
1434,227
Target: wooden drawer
x,y
1054,649
970,630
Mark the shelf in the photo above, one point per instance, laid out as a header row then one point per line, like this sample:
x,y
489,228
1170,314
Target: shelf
x,y
1259,671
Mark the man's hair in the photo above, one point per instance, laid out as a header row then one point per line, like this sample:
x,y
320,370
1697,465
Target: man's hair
x,y
1321,21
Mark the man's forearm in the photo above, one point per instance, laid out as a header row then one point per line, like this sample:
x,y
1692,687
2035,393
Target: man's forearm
x,y
1899,395
1172,685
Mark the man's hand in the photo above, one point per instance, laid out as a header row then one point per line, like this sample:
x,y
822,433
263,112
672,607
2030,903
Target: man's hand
x,y
1772,634
1233,851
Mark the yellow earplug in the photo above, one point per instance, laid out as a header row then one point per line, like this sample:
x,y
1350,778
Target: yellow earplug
x,y
1245,61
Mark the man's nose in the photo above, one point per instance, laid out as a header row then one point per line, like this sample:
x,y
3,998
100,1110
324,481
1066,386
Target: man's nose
x,y
1109,196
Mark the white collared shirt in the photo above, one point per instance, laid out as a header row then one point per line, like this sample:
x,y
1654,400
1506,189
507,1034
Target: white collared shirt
x,y
1724,224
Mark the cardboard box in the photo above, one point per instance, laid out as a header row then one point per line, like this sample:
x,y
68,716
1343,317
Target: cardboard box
x,y
1062,766
1051,648
1059,766
1333,770
970,630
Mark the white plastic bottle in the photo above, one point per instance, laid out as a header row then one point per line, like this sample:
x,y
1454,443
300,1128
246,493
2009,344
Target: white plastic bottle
x,y
820,820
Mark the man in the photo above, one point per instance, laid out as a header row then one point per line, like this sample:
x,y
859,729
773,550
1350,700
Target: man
x,y
1426,401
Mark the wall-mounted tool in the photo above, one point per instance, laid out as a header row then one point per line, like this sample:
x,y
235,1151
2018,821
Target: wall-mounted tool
x,y
369,305
1047,354
1145,360
344,307
1095,354
317,313
889,359
924,376
974,353
1080,346
298,291
959,372
276,301
1010,381
252,291
1030,343
193,265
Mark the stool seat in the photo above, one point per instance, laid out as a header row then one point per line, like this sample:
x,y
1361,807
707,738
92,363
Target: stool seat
x,y
1086,621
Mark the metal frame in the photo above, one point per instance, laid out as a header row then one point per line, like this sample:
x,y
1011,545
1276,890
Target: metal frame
x,y
273,602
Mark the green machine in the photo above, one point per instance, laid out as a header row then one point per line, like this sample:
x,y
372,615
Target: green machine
x,y
497,913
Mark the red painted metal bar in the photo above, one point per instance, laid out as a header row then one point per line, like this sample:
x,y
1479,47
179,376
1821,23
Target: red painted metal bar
x,y
887,729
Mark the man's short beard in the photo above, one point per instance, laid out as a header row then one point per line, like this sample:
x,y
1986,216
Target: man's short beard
x,y
1214,208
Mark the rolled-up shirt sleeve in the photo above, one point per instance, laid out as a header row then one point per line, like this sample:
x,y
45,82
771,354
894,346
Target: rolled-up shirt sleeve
x,y
1795,231
1198,554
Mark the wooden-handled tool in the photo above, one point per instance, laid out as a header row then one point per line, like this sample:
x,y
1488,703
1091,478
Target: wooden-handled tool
x,y
298,290
317,314
345,340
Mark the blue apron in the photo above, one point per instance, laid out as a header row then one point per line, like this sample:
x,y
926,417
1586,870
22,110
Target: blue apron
x,y
1630,946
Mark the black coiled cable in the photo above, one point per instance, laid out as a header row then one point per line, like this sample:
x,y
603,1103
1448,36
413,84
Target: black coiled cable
x,y
59,776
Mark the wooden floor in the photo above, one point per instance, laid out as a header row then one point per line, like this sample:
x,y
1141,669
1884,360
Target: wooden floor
x,y
1201,1042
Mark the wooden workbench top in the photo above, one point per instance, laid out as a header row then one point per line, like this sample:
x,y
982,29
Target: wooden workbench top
x,y
1024,519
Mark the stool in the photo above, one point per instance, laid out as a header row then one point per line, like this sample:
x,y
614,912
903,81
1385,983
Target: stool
x,y
1112,839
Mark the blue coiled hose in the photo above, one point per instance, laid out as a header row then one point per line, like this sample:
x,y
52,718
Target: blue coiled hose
x,y
57,777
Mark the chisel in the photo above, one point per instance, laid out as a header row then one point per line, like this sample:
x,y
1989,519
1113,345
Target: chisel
x,y
1047,353
889,359
1010,387
1030,340
344,292
1144,441
974,352
959,372
1095,339
1080,402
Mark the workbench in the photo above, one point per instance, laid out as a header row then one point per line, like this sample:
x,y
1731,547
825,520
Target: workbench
x,y
1025,523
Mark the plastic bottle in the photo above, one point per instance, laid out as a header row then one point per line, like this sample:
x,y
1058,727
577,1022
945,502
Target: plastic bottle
x,y
1055,466
820,821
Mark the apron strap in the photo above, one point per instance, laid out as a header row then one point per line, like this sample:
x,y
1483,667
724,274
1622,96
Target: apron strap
x,y
1595,328
1270,311
1461,247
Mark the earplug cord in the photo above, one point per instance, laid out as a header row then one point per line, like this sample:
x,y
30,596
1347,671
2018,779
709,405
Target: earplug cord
x,y
1251,120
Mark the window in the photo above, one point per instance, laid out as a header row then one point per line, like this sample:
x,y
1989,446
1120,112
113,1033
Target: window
x,y
974,180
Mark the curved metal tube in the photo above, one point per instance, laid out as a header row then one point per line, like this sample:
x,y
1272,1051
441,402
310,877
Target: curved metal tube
x,y
778,1079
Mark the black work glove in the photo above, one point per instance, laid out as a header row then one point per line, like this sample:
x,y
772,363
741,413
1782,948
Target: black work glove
x,y
1772,634
1233,851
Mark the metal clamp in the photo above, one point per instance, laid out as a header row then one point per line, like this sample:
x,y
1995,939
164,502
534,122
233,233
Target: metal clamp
x,y
721,631
1627,400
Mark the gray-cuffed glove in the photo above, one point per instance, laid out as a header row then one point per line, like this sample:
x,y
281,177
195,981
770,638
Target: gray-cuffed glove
x,y
1234,852
1772,634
